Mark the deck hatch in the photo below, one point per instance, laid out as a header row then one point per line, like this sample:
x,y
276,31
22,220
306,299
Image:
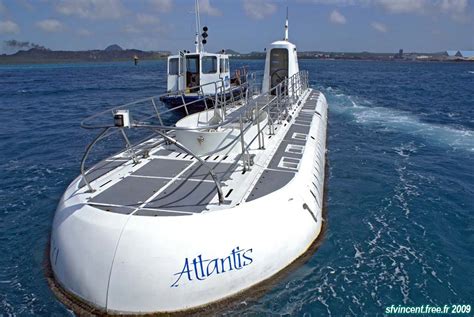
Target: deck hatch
x,y
294,148
299,136
289,163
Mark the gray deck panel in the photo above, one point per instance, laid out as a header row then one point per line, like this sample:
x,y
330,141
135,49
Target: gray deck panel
x,y
163,168
297,129
191,196
303,121
164,152
269,182
306,115
131,191
101,169
222,170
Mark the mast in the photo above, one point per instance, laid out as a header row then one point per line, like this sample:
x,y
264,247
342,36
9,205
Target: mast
x,y
286,25
197,40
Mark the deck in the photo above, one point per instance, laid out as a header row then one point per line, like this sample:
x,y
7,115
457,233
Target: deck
x,y
170,182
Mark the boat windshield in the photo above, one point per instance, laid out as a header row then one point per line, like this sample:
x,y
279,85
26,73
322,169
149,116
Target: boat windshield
x,y
192,71
209,64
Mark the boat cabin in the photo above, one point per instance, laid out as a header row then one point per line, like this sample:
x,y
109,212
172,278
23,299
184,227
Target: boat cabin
x,y
281,62
188,71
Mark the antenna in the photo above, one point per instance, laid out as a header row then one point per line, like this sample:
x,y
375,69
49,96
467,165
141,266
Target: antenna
x,y
197,41
286,25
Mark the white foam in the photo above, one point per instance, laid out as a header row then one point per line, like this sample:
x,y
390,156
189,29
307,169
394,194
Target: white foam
x,y
400,121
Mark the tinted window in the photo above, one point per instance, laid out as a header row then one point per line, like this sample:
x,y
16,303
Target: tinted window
x,y
173,66
227,65
222,65
209,64
192,64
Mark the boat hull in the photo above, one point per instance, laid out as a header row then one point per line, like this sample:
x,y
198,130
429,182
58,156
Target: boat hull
x,y
199,103
135,264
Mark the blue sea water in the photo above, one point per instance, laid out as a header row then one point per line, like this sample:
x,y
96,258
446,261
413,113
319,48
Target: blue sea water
x,y
400,223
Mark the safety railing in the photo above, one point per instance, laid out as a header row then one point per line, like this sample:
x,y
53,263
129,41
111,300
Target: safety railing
x,y
274,103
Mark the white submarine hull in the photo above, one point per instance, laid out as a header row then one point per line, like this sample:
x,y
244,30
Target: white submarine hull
x,y
129,264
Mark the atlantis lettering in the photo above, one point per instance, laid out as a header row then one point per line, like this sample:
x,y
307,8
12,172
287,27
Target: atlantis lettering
x,y
200,269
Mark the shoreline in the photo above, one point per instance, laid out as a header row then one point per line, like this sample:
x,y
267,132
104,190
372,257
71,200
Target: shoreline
x,y
77,61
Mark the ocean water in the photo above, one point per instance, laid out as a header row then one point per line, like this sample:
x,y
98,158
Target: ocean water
x,y
400,218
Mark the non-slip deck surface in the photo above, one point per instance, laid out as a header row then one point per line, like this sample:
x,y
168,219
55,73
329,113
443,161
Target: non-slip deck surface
x,y
285,161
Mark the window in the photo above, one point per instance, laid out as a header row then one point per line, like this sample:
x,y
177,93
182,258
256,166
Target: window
x,y
222,65
278,67
209,65
227,65
192,64
173,66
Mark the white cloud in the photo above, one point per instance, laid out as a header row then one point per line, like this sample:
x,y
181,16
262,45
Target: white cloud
x,y
84,32
161,5
143,18
26,4
335,2
9,27
131,29
258,9
456,9
380,27
337,18
402,6
92,9
205,7
50,25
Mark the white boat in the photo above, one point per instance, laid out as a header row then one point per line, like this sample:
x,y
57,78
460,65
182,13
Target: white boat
x,y
196,77
200,210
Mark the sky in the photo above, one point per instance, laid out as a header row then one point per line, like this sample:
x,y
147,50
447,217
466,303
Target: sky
x,y
241,25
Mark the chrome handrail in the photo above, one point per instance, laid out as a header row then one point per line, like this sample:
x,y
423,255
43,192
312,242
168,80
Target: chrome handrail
x,y
278,97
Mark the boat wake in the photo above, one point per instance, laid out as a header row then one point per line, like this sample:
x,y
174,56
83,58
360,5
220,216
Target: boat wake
x,y
385,119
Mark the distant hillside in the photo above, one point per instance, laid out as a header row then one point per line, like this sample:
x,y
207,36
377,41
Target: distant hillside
x,y
231,52
113,47
111,53
251,55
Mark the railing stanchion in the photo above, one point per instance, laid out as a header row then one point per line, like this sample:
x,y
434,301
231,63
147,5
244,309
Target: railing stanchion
x,y
86,154
261,141
224,94
185,106
156,110
129,146
242,143
204,97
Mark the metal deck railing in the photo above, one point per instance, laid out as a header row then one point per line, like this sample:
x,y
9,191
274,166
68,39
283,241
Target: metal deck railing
x,y
245,111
